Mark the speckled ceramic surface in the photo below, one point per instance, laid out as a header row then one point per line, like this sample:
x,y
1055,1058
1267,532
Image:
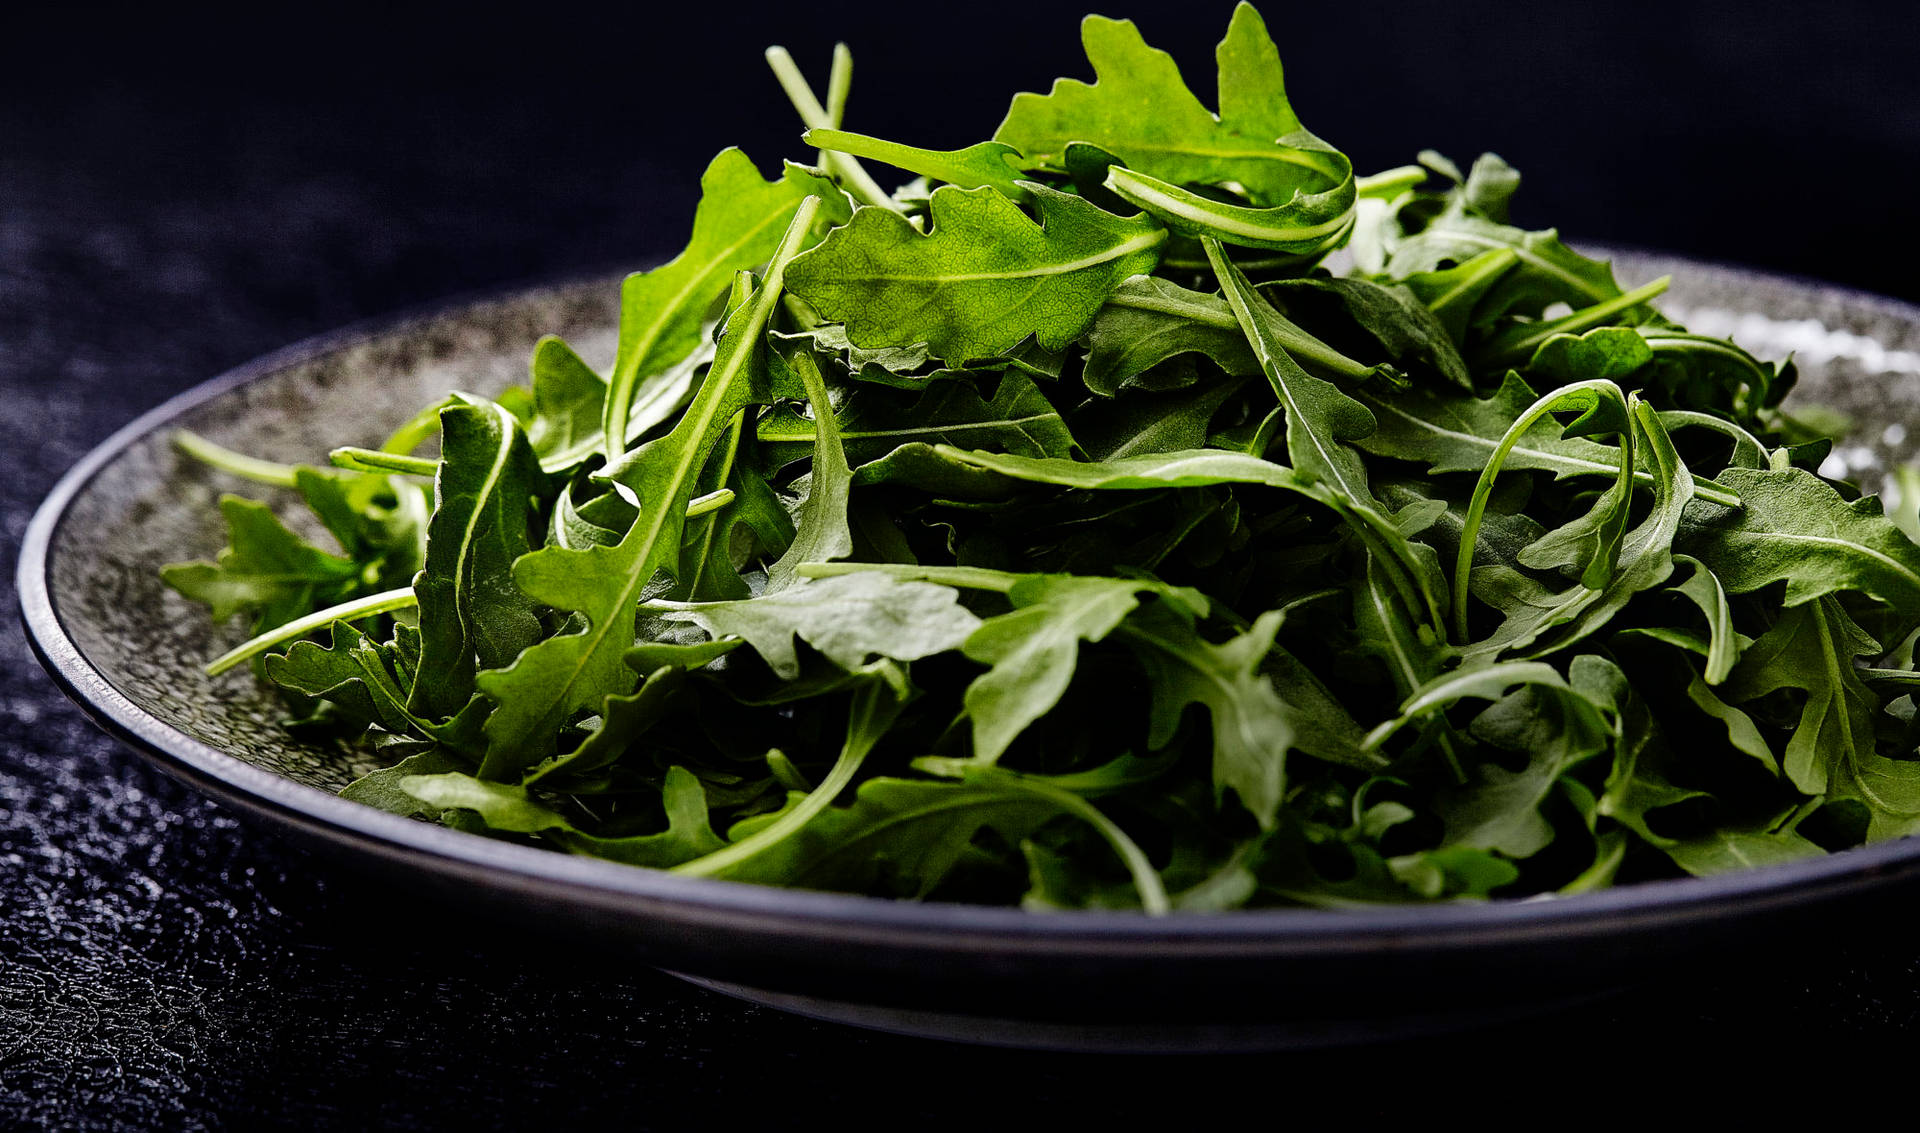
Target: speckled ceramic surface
x,y
130,651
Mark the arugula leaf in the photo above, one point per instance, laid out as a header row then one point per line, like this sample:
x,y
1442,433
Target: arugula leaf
x,y
353,672
623,720
265,570
823,532
1743,735
1252,726
1705,590
563,674
513,810
1812,648
738,225
471,615
1146,880
847,619
1018,418
877,701
1517,343
1186,469
569,402
1320,418
1795,528
1460,434
1392,316
990,448
1686,365
1726,850
1500,809
1148,320
1609,353
1484,682
899,836
900,366
1032,650
1452,295
1323,728
381,789
1154,423
1256,140
1645,561
1544,271
1593,539
981,278
1411,659
992,164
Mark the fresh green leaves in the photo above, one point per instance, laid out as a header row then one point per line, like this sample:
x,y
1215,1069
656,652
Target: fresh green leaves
x,y
276,576
847,619
265,570
738,225
1141,111
571,671
1059,530
981,278
1793,527
1320,418
472,616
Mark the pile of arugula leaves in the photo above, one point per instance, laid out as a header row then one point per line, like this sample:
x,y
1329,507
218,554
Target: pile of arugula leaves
x,y
1059,529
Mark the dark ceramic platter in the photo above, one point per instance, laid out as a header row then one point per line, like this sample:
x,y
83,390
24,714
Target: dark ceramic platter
x,y
129,651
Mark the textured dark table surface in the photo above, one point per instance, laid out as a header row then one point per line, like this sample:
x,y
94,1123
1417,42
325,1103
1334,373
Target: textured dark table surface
x,y
164,966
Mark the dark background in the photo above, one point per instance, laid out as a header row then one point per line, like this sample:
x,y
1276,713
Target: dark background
x,y
469,145
181,191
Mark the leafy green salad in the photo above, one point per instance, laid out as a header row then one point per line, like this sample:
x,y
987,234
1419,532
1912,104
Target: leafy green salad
x,y
1138,509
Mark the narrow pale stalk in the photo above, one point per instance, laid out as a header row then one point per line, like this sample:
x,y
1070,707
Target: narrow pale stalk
x,y
1483,489
712,501
1389,183
1517,349
839,82
815,116
239,464
384,602
965,578
1146,880
372,460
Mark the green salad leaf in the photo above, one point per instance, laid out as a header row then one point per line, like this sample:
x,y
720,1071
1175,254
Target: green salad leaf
x,y
1071,528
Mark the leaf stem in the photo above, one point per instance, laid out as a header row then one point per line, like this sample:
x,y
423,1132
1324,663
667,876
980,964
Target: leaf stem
x,y
874,705
384,602
1389,183
965,578
1515,349
1303,346
1146,879
373,460
1476,271
712,501
239,464
816,116
1483,489
418,428
355,610
839,83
